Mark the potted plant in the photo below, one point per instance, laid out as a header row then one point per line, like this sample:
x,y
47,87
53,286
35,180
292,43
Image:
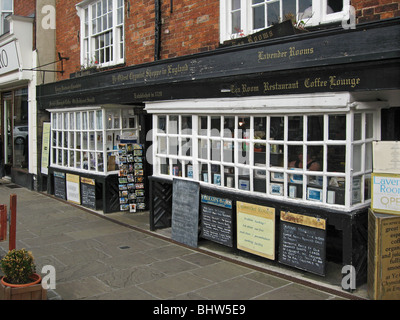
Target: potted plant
x,y
20,281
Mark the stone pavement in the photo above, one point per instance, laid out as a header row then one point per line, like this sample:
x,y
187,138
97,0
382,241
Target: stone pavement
x,y
99,257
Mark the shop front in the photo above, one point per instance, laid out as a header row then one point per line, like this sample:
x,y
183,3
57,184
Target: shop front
x,y
18,102
276,132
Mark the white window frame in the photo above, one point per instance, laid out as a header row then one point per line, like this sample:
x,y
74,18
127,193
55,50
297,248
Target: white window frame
x,y
88,37
96,141
319,16
5,12
356,174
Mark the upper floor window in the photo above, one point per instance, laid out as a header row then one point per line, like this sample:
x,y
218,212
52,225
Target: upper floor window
x,y
102,32
243,17
6,10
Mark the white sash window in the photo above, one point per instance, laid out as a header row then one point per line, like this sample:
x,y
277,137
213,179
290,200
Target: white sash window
x,y
244,17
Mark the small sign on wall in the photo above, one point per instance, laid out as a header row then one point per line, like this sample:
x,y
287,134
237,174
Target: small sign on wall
x,y
386,157
386,193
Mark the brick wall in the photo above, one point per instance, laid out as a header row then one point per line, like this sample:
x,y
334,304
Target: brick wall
x,y
67,35
191,27
24,7
372,10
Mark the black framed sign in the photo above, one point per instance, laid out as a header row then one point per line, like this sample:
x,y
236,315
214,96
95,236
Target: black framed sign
x,y
60,190
216,219
302,242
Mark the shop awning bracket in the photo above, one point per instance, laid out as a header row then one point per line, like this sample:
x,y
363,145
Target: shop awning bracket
x,y
60,59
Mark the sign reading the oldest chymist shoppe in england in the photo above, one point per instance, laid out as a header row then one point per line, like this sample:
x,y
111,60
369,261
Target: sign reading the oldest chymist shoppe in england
x,y
337,60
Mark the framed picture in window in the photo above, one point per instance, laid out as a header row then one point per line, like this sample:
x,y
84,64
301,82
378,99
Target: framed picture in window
x,y
277,176
276,189
314,194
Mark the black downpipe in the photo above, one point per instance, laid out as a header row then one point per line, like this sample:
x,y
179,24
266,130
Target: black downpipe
x,y
157,34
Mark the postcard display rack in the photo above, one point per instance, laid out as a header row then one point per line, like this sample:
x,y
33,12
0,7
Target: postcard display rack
x,y
131,177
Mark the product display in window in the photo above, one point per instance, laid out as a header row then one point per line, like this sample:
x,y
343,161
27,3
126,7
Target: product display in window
x,y
131,177
296,156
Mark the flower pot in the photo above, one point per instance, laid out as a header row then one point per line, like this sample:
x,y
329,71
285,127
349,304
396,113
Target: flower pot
x,y
27,291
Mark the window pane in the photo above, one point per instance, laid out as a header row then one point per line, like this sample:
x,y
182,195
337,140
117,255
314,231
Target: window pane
x,y
236,22
162,120
357,158
7,5
289,8
229,127
315,158
216,174
203,172
273,13
357,126
162,145
368,156
356,190
260,126
337,127
229,173
186,125
369,132
276,128
203,126
173,146
203,147
215,126
186,147
228,152
173,124
235,4
259,153
295,157
259,17
215,150
295,128
336,158
276,155
244,128
259,184
305,10
315,130
99,120
334,6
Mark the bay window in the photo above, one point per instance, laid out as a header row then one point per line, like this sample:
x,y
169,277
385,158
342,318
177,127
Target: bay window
x,y
242,17
321,158
86,139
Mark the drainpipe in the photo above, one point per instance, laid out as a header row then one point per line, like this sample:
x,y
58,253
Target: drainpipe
x,y
157,34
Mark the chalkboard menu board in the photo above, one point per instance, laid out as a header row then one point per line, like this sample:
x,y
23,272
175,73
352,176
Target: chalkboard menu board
x,y
59,185
216,219
88,192
303,242
185,212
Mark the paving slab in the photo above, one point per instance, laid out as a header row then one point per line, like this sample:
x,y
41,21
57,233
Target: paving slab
x,y
103,257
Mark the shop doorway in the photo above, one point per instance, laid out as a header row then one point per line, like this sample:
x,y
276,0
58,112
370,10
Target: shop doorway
x,y
15,131
7,133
